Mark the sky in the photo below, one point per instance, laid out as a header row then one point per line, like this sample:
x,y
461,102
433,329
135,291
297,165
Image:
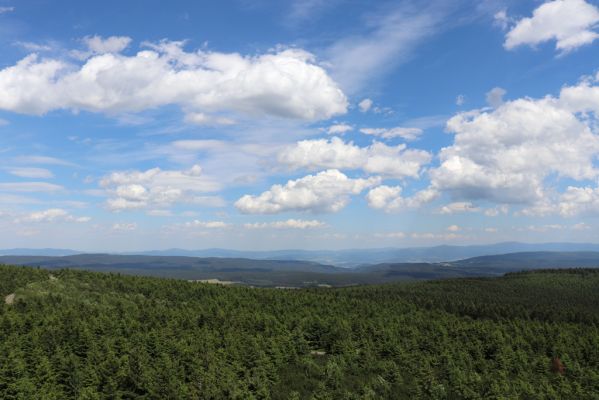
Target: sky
x,y
315,124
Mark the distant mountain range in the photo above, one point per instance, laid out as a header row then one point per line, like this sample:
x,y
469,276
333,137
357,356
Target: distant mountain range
x,y
293,273
348,258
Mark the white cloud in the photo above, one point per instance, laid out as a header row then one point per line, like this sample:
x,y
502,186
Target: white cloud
x,y
579,200
52,215
37,47
4,10
29,187
542,228
390,37
571,23
458,207
491,230
389,198
454,228
206,224
502,20
198,118
160,213
460,100
327,191
505,155
582,98
286,84
339,129
288,224
112,44
40,173
390,235
495,211
365,105
392,133
124,226
378,158
435,236
494,97
303,10
581,226
44,160
156,188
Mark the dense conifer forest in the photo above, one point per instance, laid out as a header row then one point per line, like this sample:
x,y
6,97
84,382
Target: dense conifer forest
x,y
68,334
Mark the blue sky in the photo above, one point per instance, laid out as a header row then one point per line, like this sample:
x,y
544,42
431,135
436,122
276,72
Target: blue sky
x,y
297,124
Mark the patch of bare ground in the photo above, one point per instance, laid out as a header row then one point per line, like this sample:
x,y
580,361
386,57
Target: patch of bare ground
x,y
215,281
10,299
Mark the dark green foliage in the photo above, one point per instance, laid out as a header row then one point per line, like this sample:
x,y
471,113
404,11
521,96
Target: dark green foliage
x,y
86,335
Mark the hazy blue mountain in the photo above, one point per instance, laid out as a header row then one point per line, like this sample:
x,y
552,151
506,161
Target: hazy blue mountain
x,y
350,257
357,257
529,260
306,273
38,252
173,262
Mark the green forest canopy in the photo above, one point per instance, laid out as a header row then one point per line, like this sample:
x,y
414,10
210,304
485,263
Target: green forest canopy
x,y
83,335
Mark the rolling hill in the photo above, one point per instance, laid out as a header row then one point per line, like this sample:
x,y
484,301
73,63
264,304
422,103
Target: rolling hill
x,y
289,273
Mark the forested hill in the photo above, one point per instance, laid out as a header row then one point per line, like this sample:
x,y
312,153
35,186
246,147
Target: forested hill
x,y
273,273
69,334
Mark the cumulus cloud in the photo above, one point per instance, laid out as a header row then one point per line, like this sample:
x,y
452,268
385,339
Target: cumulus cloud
x,y
365,105
156,188
339,129
112,44
495,211
206,224
52,215
454,228
287,83
327,191
502,20
494,97
392,133
571,23
458,207
124,226
288,224
378,158
581,98
579,200
199,118
389,198
506,154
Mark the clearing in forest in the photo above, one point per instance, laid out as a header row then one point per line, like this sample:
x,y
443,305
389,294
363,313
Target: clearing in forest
x,y
9,299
